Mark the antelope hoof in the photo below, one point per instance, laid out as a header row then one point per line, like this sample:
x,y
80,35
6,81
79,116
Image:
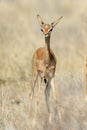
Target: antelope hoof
x,y
31,96
50,119
33,123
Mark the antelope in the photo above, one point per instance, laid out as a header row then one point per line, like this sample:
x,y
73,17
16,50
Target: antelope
x,y
44,63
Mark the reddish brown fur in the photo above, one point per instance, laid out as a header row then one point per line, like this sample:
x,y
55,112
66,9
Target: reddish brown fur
x,y
41,52
46,27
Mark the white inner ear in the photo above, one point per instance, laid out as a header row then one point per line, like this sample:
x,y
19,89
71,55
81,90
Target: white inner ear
x,y
39,20
56,21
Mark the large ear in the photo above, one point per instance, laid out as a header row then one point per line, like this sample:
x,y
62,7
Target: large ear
x,y
56,21
40,20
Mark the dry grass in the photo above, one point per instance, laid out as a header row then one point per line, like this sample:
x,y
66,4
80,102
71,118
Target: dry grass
x,y
19,37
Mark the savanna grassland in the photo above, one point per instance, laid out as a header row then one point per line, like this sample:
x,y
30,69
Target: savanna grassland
x,y
20,36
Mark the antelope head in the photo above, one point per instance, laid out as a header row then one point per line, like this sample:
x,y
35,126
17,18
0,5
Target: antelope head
x,y
47,28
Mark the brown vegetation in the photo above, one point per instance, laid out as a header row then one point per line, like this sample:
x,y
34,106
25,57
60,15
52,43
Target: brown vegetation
x,y
85,78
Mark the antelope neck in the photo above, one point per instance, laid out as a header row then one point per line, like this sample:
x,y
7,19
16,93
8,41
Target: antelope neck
x,y
47,48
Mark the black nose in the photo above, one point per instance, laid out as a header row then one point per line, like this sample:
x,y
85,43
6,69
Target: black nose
x,y
45,80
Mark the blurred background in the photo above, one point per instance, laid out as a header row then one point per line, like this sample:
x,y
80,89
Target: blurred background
x,y
20,33
20,36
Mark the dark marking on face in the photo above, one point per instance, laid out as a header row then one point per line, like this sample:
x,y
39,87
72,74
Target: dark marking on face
x,y
45,80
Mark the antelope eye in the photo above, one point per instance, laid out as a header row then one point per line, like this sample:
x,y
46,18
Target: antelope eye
x,y
41,30
51,30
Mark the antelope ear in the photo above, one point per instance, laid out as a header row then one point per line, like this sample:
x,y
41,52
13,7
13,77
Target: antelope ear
x,y
56,21
40,20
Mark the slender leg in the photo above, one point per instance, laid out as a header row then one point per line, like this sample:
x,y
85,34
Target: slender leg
x,y
39,87
47,95
33,83
37,99
53,88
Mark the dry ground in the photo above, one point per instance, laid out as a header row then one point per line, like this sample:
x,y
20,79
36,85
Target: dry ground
x,y
19,37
